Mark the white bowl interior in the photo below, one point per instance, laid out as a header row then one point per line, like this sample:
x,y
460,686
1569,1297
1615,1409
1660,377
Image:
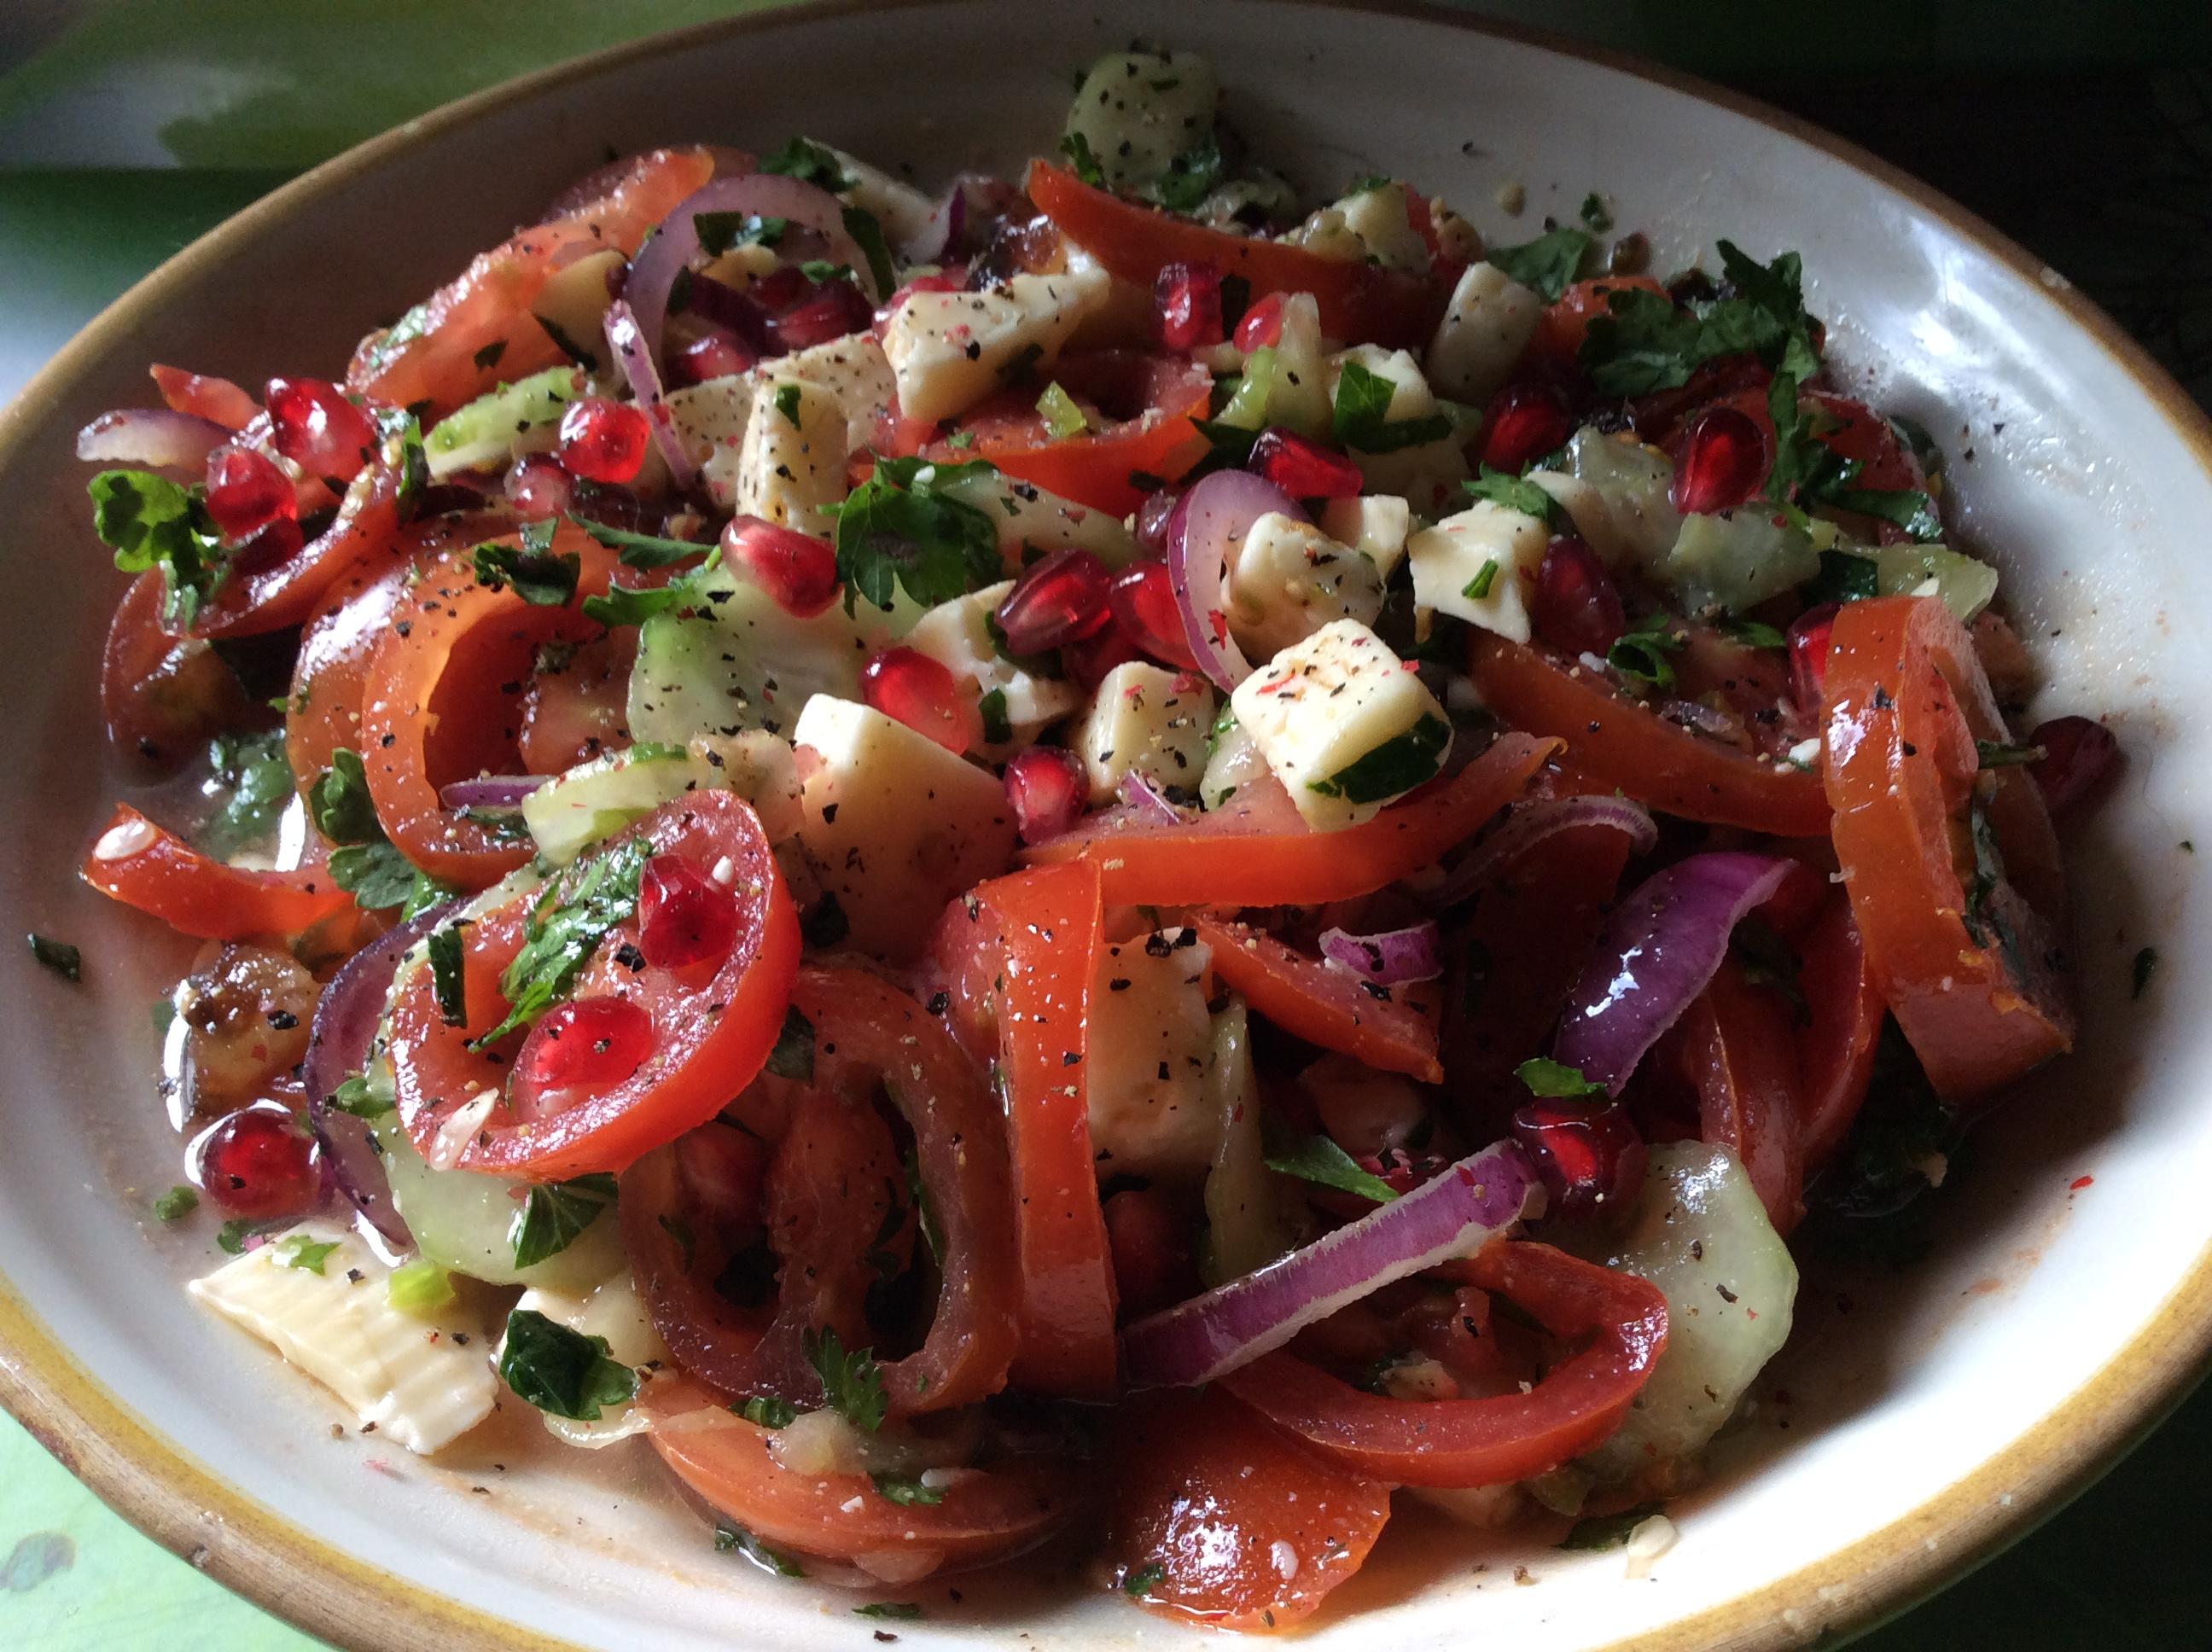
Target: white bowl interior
x,y
2065,471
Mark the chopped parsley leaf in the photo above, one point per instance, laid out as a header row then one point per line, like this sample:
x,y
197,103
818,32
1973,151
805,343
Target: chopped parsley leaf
x,y
907,1490
1548,264
542,579
571,917
1393,768
305,1253
1479,587
852,1383
562,1372
1081,160
65,960
149,521
996,729
1317,1158
177,1203
555,1213
1513,493
868,235
719,232
1546,1078
447,981
1361,418
901,528
810,163
1143,1580
1642,650
766,1410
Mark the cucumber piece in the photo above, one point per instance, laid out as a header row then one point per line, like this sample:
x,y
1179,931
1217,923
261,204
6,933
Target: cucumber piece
x,y
1137,111
1031,517
1965,583
490,429
1737,561
594,800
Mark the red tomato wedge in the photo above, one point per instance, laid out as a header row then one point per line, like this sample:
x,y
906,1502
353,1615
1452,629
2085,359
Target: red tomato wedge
x,y
478,333
1952,869
136,862
1836,1049
712,1026
1565,321
1737,1048
984,1514
1612,743
1393,1028
205,396
1360,303
161,694
1256,851
1621,1320
1206,1499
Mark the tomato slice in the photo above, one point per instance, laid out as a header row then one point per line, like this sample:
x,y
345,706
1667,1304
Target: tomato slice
x,y
575,712
136,862
1256,851
984,1514
1487,1442
443,700
1360,303
205,396
1208,1502
1391,1028
1615,744
1148,403
1736,1047
1836,1048
478,331
712,1029
1565,321
1966,937
161,694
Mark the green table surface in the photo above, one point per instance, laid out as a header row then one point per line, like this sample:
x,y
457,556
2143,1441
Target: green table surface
x,y
2118,195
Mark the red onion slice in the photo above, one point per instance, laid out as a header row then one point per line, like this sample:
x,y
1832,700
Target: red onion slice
x,y
1453,1214
628,343
490,792
1209,523
1529,824
1659,949
1146,802
346,1017
157,436
1389,957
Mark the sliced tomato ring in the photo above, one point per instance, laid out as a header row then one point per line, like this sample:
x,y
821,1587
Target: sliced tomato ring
x,y
984,1514
1737,1048
1360,303
443,700
1208,1502
1487,1442
1612,743
161,694
576,711
1836,1048
137,863
712,1027
1256,851
1964,931
1391,1028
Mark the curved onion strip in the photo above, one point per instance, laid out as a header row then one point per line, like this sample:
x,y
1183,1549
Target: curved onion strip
x,y
490,792
158,436
1659,949
1208,524
1529,824
1389,957
628,343
1454,1214
1145,801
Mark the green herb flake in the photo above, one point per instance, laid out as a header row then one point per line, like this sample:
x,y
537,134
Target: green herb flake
x,y
1645,341
896,1611
562,1372
177,1203
639,550
1595,217
571,919
719,232
868,235
1191,177
1063,419
729,1539
1479,587
852,1383
1907,508
1393,768
1998,754
1317,1158
1548,264
65,960
149,521
902,528
339,803
1843,577
1361,417
356,1095
1753,633
1139,1583
786,403
555,1214
997,728
1642,650
258,778
378,876
907,1490
1081,160
448,981
230,1238
810,163
544,580
1608,1531
793,1058
421,1288
766,1410
1553,1080
305,1253
2145,966
1513,493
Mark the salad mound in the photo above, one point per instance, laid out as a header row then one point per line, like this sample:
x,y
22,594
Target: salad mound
x,y
1088,858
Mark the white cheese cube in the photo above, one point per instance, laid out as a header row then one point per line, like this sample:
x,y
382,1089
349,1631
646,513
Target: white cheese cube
x,y
1234,763
897,824
1488,323
1149,719
1478,566
957,636
1380,218
853,370
1374,525
613,1309
1410,395
573,303
423,1382
949,351
1289,579
1419,473
1150,1039
712,417
1323,705
902,210
792,463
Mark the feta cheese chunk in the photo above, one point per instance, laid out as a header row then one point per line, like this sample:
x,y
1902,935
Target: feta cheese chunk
x,y
1147,719
1150,1043
613,1309
421,1382
1374,525
1488,323
956,635
792,463
895,824
1289,579
712,417
1343,723
902,210
1477,566
1415,472
1380,218
949,351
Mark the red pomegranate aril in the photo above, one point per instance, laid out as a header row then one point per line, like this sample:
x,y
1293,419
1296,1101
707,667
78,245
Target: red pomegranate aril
x,y
836,311
588,1043
537,487
1060,598
1262,324
1187,305
2077,754
716,355
684,916
1576,607
1523,423
1723,459
780,288
260,1164
1809,652
1143,604
246,491
1047,791
1089,660
1152,518
1302,469
1589,1157
312,424
910,687
799,570
604,440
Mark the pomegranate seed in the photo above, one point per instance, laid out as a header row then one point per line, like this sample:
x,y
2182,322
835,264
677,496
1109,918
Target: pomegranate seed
x,y
257,1163
1089,660
683,917
2078,754
796,569
724,1170
537,487
1187,305
1143,600
246,491
1302,469
908,685
1060,598
729,313
1723,459
1048,790
780,288
1590,1156
1809,652
1523,423
717,356
836,311
312,424
602,440
1152,521
1149,1244
588,1043
1261,324
1576,607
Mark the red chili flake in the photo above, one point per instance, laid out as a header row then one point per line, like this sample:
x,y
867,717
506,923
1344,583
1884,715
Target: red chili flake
x,y
2078,1183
